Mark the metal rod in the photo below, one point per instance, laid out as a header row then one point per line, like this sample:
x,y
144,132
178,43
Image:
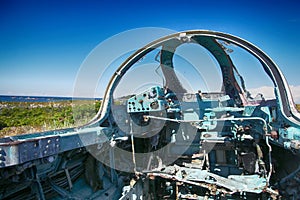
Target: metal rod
x,y
270,159
201,120
132,147
69,178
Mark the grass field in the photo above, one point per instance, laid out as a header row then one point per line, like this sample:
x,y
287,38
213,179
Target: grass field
x,y
27,117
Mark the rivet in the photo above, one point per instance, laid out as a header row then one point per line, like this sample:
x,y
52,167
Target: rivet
x,y
49,141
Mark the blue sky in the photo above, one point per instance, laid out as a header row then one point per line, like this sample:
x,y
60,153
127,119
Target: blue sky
x,y
43,43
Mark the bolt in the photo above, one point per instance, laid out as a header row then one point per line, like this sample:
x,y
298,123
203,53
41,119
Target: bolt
x,y
51,159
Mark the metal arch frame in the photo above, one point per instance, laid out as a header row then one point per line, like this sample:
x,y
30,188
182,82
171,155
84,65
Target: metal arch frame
x,y
283,94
